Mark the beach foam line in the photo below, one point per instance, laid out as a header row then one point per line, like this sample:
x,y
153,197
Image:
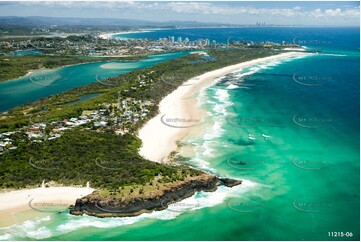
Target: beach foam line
x,y
49,226
23,198
110,35
217,100
158,139
339,55
28,229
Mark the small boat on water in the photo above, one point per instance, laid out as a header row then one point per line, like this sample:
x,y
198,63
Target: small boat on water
x,y
266,136
251,137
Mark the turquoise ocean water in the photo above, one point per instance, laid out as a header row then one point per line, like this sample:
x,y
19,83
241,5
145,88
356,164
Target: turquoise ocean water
x,y
48,82
288,128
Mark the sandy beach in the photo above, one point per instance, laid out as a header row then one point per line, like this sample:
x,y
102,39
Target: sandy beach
x,y
109,35
179,113
39,200
295,49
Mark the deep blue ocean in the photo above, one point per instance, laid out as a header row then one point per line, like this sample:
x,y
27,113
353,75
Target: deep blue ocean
x,y
343,39
290,129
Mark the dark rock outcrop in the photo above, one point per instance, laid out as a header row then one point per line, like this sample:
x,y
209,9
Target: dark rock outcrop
x,y
108,206
230,182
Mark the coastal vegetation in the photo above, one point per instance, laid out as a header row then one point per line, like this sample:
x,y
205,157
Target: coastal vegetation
x,y
108,160
54,51
12,67
149,84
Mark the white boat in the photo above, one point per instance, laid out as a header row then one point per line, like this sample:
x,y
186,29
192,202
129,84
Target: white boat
x,y
251,137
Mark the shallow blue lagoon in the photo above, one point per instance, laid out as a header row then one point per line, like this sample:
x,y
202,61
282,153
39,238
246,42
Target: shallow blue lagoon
x,y
48,82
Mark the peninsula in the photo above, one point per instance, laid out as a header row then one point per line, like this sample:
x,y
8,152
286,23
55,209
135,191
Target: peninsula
x,y
96,140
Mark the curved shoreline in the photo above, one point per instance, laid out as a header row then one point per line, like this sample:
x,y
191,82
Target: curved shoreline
x,y
17,198
160,138
35,71
110,35
15,201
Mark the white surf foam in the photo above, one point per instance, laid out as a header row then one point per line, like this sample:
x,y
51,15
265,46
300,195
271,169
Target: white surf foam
x,y
6,236
42,229
27,229
222,95
232,86
333,54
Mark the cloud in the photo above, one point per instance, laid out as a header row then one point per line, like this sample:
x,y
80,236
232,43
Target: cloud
x,y
333,13
350,13
206,10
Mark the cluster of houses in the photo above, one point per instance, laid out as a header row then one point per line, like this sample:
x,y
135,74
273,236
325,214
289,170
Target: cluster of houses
x,y
127,112
132,110
98,46
40,132
6,142
118,116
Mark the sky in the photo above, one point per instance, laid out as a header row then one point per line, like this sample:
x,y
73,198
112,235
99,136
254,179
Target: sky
x,y
341,13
